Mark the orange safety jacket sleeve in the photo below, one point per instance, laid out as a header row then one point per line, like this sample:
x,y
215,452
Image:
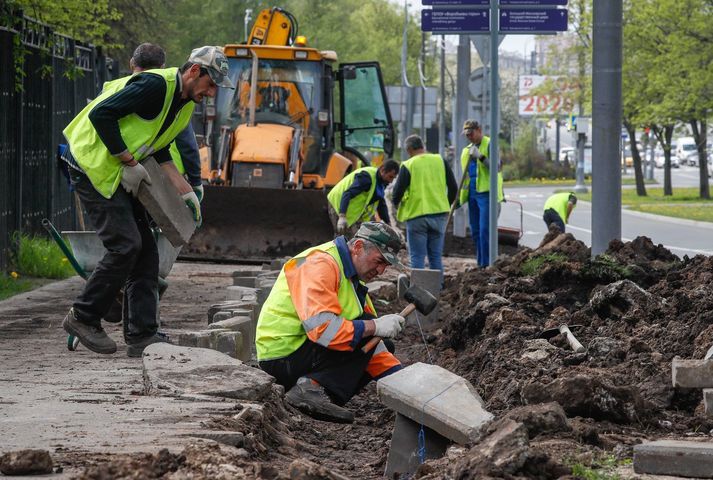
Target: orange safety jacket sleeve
x,y
313,283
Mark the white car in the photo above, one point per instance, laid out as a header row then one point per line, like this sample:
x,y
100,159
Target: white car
x,y
659,159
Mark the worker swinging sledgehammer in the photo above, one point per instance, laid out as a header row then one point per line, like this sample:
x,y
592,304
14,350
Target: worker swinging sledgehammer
x,y
318,316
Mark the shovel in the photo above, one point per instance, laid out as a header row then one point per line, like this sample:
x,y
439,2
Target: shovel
x,y
564,329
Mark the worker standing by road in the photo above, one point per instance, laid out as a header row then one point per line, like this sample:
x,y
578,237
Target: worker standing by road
x,y
558,208
354,198
184,150
107,139
422,195
319,315
476,188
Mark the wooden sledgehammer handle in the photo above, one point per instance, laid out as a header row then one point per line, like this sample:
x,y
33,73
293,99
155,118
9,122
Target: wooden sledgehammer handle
x,y
571,339
375,340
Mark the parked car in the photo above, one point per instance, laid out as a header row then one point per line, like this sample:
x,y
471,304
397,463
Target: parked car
x,y
686,151
568,154
659,159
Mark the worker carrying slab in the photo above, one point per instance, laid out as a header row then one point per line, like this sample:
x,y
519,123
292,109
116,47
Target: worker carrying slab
x,y
360,194
558,208
128,122
318,316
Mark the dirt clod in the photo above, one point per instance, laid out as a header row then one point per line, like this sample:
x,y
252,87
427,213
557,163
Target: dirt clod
x,y
26,462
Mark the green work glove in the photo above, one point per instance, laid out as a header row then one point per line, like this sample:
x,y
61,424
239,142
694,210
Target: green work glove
x,y
198,189
194,204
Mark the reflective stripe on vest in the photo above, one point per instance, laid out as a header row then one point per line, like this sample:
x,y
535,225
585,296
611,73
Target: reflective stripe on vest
x,y
427,193
279,328
360,208
141,136
482,180
558,203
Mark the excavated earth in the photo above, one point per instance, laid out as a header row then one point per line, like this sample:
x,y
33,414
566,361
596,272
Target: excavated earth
x,y
634,309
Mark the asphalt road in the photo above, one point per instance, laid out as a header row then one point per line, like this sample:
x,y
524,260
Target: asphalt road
x,y
682,237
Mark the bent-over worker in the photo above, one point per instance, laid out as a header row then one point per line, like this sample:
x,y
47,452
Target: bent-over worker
x,y
558,208
319,315
361,193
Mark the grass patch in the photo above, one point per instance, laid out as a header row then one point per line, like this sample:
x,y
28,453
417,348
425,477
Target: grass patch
x,y
533,265
12,285
604,268
702,213
600,469
41,257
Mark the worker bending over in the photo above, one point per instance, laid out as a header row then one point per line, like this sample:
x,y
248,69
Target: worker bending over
x,y
318,316
423,194
558,208
358,195
125,124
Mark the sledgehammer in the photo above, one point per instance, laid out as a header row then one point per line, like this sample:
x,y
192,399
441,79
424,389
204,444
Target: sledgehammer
x,y
419,299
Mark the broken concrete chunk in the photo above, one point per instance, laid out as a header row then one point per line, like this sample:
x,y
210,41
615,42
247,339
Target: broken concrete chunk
x,y
199,339
173,370
26,462
438,399
692,373
238,293
674,457
165,205
233,439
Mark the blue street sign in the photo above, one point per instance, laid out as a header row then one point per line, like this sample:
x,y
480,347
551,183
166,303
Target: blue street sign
x,y
513,20
531,3
456,3
455,21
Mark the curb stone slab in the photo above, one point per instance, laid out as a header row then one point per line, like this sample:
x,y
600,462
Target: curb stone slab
x,y
437,398
172,370
692,373
674,457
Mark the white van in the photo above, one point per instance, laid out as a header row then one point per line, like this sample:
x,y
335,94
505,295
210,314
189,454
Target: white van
x,y
686,151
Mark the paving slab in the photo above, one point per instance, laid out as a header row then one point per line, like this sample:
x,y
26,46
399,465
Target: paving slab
x,y
692,373
436,398
246,327
674,457
403,454
165,205
173,370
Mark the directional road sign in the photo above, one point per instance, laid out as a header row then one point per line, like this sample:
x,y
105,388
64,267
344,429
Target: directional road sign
x,y
531,3
529,20
456,3
456,21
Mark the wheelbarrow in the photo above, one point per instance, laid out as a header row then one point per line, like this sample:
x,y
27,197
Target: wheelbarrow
x,y
87,250
510,235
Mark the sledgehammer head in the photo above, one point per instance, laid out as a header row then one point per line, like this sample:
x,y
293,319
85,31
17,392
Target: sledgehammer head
x,y
422,299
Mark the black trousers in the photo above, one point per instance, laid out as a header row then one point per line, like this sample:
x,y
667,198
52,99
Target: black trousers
x,y
342,374
131,260
551,216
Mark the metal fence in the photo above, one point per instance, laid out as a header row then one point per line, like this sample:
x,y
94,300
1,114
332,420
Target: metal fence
x,y
61,75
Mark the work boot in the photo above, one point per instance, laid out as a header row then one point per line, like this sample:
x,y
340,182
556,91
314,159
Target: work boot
x,y
91,336
137,349
311,399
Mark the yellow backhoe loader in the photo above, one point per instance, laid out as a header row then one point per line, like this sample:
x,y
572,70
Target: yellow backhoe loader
x,y
274,145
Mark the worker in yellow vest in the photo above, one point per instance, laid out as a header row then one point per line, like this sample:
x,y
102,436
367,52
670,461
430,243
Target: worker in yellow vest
x,y
107,141
423,193
318,316
184,150
359,195
476,188
558,208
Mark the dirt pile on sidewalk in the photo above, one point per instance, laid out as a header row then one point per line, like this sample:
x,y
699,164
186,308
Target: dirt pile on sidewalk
x,y
637,307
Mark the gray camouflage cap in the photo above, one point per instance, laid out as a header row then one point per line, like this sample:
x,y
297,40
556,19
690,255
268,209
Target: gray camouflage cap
x,y
215,62
384,238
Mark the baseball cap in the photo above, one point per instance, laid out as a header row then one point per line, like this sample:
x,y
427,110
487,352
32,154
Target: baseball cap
x,y
215,62
470,125
384,238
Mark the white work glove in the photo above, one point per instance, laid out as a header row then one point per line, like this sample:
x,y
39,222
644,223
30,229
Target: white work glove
x,y
194,204
342,224
475,154
131,178
198,189
388,326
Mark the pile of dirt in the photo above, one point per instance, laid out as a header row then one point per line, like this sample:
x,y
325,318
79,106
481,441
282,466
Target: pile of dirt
x,y
637,307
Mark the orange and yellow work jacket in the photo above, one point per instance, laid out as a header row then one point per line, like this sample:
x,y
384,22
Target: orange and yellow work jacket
x,y
316,298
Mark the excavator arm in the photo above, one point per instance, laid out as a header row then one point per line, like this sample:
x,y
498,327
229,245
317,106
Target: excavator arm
x,y
273,26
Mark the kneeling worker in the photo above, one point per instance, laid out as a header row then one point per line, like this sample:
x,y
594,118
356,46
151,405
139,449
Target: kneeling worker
x,y
558,208
355,197
318,316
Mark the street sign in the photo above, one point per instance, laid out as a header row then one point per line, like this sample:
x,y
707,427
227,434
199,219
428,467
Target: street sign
x,y
529,20
455,21
531,3
456,3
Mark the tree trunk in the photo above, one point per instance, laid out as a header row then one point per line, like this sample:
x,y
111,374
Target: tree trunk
x,y
700,136
638,173
664,135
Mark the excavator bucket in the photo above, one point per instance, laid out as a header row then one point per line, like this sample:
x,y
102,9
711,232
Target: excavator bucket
x,y
258,224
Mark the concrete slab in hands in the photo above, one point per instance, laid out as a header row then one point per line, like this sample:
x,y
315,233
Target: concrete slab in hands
x,y
674,457
692,373
438,399
174,370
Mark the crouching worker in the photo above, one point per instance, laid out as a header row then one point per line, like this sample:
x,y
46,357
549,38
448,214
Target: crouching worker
x,y
558,208
318,316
